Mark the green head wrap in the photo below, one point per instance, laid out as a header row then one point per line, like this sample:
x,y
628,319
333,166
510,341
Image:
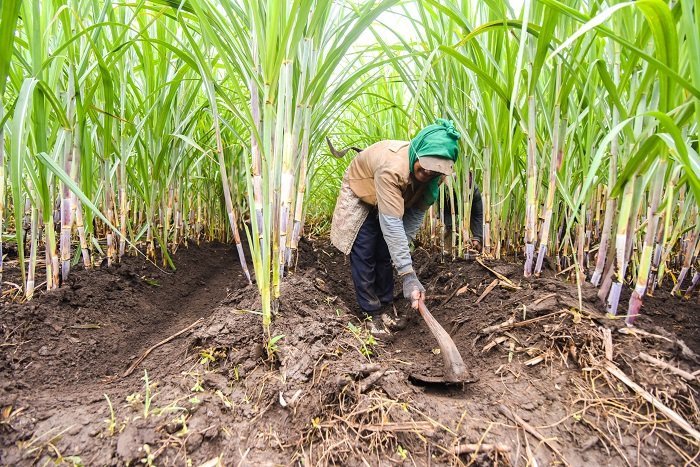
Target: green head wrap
x,y
437,140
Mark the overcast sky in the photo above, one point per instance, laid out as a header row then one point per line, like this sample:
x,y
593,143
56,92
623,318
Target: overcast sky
x,y
396,20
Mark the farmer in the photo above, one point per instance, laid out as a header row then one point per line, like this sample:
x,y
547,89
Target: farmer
x,y
383,198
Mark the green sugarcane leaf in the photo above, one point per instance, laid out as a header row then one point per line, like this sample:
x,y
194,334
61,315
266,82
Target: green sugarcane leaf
x,y
18,151
9,15
656,63
590,25
485,78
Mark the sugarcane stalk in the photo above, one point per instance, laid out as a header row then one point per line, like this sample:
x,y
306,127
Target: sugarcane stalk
x,y
209,90
597,209
80,226
498,230
75,206
301,125
691,240
177,221
66,229
121,173
110,214
227,189
624,219
68,153
275,183
635,303
460,198
301,181
47,261
312,62
440,222
610,202
486,199
580,242
558,132
588,234
123,208
254,135
531,194
693,285
656,260
601,258
198,227
2,178
168,216
463,214
263,276
150,246
287,174
29,289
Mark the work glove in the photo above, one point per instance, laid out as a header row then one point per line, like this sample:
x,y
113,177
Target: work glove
x,y
413,289
476,244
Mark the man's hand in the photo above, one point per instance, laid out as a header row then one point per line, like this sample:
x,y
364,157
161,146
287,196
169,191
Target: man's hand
x,y
476,244
413,289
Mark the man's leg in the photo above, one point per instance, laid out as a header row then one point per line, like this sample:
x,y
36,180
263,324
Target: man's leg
x,y
363,264
384,285
384,280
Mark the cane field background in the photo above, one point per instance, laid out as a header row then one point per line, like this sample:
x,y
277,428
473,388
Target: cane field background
x,y
134,130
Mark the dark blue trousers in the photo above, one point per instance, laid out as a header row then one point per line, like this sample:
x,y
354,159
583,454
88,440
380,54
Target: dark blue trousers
x,y
370,262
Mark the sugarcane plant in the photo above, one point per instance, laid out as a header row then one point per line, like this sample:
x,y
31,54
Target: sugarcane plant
x,y
154,123
94,146
290,63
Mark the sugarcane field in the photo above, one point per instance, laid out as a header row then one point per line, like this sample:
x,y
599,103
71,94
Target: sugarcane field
x,y
349,232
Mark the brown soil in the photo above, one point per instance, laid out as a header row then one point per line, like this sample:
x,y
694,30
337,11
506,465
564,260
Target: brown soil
x,y
330,395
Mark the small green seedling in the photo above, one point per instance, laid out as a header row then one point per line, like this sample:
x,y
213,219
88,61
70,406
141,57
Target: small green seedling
x,y
402,452
209,356
151,282
149,397
112,420
150,457
182,420
272,348
366,339
135,398
197,386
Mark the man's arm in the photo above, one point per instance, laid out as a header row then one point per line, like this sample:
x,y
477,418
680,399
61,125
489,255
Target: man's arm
x,y
397,241
391,211
399,233
412,220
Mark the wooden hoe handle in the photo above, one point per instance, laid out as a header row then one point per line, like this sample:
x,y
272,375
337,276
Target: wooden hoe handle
x,y
451,358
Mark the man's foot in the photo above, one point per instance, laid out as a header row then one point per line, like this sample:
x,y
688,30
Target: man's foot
x,y
375,326
391,322
392,319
